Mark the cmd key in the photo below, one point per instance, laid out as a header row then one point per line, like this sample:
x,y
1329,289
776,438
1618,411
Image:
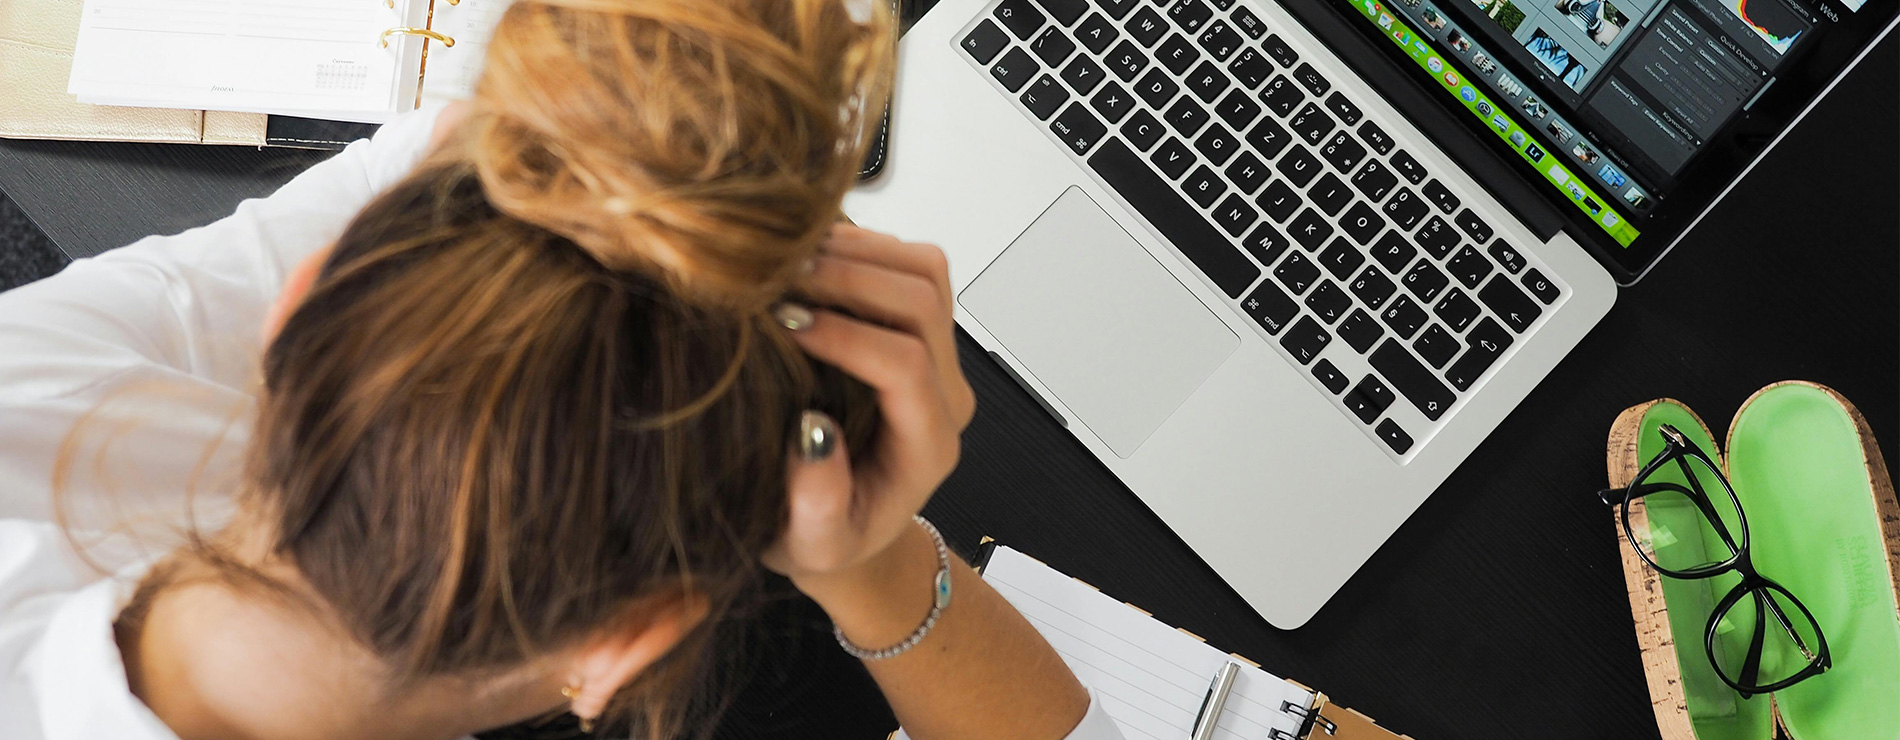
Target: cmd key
x,y
1190,232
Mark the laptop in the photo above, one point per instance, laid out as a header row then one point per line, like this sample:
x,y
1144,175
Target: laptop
x,y
1282,264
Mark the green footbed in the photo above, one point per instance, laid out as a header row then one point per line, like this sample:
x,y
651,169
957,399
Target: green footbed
x,y
1797,467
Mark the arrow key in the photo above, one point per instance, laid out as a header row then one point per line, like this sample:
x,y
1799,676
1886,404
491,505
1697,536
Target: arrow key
x,y
1369,399
1394,437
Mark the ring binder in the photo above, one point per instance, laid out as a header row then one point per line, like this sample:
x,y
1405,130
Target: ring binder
x,y
423,32
1309,717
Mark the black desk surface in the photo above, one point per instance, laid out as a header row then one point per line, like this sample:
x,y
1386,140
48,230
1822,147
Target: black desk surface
x,y
1498,610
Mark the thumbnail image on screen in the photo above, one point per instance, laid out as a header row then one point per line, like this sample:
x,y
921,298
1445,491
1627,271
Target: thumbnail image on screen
x,y
1599,19
1554,58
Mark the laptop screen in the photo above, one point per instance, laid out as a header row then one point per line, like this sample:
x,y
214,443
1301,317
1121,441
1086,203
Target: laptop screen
x,y
1635,113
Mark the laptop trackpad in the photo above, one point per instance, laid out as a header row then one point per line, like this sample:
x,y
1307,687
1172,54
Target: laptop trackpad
x,y
1098,321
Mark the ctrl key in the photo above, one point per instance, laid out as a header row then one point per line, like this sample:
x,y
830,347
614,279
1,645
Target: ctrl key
x,y
1394,437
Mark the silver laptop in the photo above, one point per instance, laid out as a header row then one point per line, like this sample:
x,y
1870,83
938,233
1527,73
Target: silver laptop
x,y
1270,299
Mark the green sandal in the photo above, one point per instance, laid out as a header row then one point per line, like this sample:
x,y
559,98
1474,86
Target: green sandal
x,y
1822,520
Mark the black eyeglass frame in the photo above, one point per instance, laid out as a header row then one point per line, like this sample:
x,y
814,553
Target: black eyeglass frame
x,y
1677,448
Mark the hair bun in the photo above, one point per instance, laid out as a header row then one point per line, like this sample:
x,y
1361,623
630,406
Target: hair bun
x,y
711,141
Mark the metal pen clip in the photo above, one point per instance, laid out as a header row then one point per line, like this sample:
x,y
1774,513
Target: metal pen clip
x,y
1216,699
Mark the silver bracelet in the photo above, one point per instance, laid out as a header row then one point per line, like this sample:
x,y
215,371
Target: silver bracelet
x,y
940,588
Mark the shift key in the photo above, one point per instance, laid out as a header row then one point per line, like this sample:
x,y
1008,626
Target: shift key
x,y
1412,379
1206,246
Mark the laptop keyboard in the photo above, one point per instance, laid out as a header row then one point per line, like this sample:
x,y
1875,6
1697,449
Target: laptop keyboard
x,y
1356,262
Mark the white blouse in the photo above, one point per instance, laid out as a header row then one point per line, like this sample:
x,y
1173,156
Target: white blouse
x,y
156,347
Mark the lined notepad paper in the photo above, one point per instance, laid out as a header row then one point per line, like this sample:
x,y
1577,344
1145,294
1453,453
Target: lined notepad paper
x,y
1150,677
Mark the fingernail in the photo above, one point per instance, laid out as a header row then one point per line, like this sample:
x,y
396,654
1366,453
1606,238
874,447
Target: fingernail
x,y
808,267
817,436
793,316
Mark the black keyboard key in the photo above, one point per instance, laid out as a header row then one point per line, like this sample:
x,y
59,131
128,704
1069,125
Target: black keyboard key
x,y
1065,11
1437,237
1250,68
1512,261
1084,74
1269,138
1393,252
1052,46
1457,310
1020,17
1360,332
1015,70
1270,307
1234,215
1329,194
1509,303
1282,96
1343,151
1341,258
1117,9
1185,116
1190,15
1483,347
1156,88
1044,97
1207,82
1372,287
1436,346
1328,301
1237,109
1376,138
1147,26
1203,187
1330,377
1409,167
1176,54
1436,192
1306,339
1248,173
1374,180
1114,103
1173,158
1126,61
1249,23
1468,266
1412,379
1205,246
1425,281
1312,79
1276,47
1369,399
1362,222
1143,130
1223,4
1542,287
1217,145
1265,243
1404,316
1310,229
1476,227
1079,128
1312,124
1406,209
1096,33
985,42
1394,437
1298,166
1220,40
1296,273
1347,112
1279,201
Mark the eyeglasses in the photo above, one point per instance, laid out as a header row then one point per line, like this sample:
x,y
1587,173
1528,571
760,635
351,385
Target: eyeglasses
x,y
1684,533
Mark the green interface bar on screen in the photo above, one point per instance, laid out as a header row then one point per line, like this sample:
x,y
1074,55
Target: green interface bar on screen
x,y
1422,52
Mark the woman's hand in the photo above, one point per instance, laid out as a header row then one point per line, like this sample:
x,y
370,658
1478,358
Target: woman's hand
x,y
851,507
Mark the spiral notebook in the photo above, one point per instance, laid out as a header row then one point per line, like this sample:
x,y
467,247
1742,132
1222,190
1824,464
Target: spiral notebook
x,y
1153,679
345,60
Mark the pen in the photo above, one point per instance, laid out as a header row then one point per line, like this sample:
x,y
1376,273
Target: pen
x,y
1216,698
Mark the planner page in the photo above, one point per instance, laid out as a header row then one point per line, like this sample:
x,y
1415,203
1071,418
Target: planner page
x,y
451,72
1150,677
314,58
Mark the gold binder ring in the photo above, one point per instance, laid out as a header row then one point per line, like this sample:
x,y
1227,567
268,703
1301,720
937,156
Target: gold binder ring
x,y
423,32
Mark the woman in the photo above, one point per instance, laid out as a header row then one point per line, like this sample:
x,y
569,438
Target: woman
x,y
534,417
